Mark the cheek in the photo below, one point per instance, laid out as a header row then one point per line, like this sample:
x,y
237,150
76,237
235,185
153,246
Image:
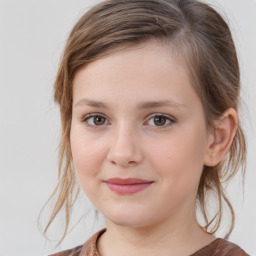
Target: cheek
x,y
88,155
179,159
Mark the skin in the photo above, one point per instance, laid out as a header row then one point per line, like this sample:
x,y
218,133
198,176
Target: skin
x,y
128,142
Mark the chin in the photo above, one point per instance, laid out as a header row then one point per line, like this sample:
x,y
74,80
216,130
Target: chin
x,y
133,219
126,223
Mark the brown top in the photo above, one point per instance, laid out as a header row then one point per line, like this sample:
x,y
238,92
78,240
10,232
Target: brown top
x,y
219,247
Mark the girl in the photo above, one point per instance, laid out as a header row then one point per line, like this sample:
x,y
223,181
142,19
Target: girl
x,y
148,93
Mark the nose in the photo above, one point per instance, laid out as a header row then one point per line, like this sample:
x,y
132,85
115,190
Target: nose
x,y
125,149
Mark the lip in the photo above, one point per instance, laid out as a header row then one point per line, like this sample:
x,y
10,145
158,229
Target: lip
x,y
127,186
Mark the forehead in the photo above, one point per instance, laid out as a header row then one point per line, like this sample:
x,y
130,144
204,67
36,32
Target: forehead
x,y
151,56
149,70
147,48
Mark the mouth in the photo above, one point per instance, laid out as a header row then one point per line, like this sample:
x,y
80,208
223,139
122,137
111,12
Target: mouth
x,y
127,186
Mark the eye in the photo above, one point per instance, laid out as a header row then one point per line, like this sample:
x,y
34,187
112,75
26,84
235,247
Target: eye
x,y
95,120
160,120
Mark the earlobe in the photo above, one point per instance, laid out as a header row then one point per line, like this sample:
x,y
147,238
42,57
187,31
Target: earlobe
x,y
222,138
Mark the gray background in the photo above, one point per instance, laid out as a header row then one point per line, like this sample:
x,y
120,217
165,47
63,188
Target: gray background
x,y
32,36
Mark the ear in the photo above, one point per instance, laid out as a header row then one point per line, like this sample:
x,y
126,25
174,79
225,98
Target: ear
x,y
221,139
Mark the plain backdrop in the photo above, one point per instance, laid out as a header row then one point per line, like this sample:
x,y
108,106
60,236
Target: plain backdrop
x,y
32,37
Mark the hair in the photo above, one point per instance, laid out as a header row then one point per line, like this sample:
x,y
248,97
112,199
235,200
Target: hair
x,y
201,38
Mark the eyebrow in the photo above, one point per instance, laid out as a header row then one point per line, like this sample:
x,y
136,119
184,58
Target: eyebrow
x,y
162,103
91,103
141,105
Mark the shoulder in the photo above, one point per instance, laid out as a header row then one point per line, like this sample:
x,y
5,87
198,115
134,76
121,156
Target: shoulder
x,y
87,249
221,247
71,252
229,249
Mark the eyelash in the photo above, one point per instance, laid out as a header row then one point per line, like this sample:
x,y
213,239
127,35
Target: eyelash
x,y
167,119
88,117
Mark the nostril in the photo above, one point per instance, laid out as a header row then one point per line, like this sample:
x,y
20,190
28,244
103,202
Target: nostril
x,y
131,162
113,162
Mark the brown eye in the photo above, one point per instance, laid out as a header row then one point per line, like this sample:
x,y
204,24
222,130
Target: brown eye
x,y
95,120
99,120
160,120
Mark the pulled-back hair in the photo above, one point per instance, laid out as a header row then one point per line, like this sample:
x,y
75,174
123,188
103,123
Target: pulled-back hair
x,y
202,40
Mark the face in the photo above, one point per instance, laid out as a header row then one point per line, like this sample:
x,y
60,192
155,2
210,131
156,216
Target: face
x,y
138,136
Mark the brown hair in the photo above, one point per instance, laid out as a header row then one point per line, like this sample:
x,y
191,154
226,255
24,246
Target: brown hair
x,y
202,40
